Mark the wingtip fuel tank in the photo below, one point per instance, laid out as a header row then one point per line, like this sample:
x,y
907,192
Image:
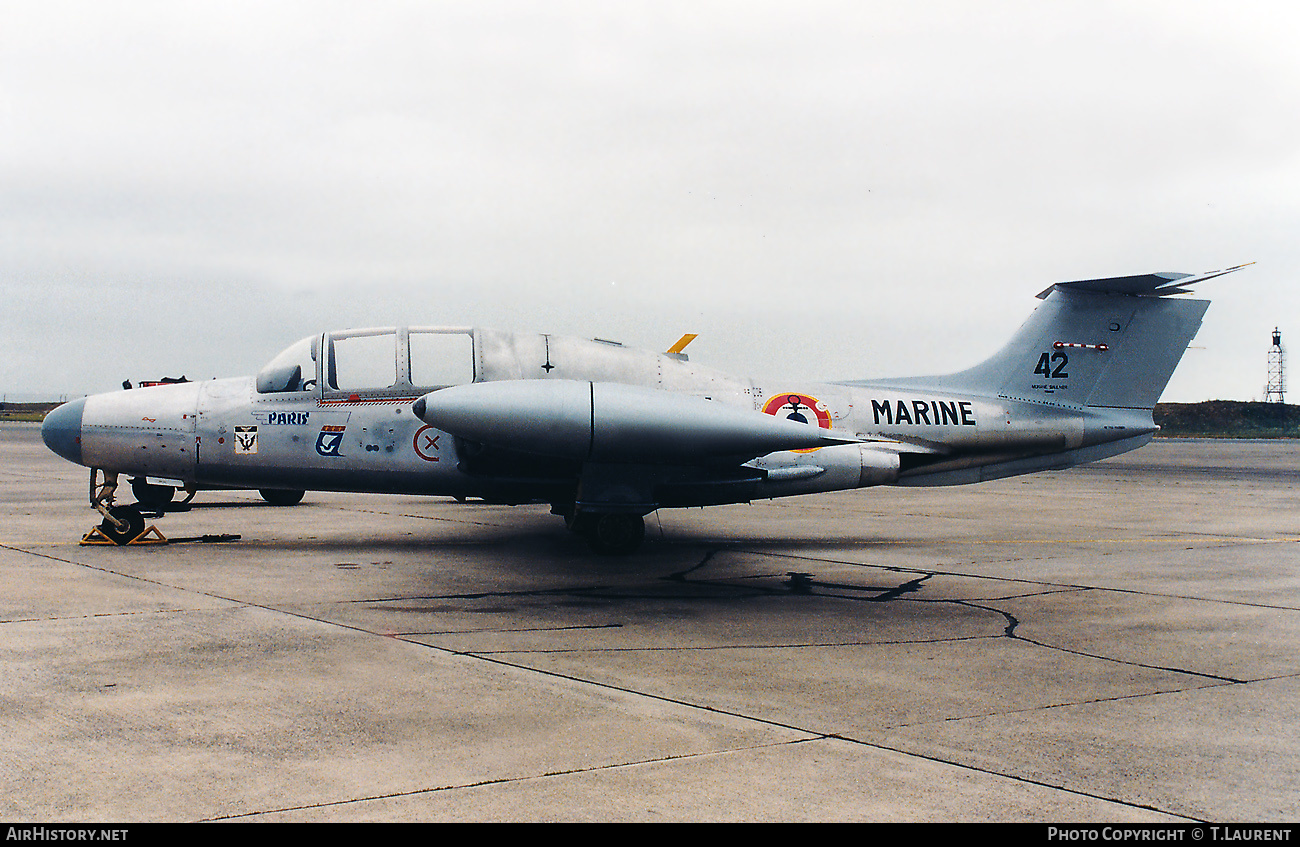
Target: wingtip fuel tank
x,y
611,422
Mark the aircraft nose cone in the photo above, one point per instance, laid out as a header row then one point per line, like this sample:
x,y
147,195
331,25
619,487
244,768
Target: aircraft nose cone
x,y
61,430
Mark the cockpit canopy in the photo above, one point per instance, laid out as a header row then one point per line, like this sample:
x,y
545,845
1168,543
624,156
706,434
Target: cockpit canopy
x,y
286,371
381,362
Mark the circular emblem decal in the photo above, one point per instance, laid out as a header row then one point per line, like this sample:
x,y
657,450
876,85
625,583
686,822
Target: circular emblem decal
x,y
800,408
426,443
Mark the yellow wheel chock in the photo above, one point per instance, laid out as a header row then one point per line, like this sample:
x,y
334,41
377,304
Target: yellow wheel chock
x,y
151,535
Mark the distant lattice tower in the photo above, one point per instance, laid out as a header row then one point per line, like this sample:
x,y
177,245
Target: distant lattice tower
x,y
1276,391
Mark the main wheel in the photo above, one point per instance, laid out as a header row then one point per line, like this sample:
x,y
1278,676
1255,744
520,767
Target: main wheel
x,y
616,535
150,495
581,523
133,524
281,496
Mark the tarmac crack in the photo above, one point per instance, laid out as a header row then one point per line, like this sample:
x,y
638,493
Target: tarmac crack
x,y
1026,581
802,645
505,630
1016,778
1013,624
798,582
1062,705
416,792
803,583
682,575
1008,632
1222,679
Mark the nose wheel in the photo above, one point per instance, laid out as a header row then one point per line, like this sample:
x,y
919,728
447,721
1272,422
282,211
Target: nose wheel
x,y
122,524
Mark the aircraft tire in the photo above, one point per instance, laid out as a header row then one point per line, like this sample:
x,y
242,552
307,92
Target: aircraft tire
x,y
151,496
616,535
281,496
134,524
582,523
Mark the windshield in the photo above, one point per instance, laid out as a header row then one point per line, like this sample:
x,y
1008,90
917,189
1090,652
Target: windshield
x,y
293,370
388,361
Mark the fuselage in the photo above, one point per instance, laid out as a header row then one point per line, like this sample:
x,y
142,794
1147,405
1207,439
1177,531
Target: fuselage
x,y
313,422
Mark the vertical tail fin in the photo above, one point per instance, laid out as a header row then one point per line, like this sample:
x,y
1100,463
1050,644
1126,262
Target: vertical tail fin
x,y
1084,347
1095,343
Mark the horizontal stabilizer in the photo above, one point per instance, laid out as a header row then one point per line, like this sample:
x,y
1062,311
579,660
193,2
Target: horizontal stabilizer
x,y
1141,285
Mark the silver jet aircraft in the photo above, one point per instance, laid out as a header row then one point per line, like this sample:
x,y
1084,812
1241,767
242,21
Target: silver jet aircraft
x,y
607,434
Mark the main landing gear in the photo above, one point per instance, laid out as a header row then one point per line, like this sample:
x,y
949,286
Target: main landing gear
x,y
282,496
611,534
155,497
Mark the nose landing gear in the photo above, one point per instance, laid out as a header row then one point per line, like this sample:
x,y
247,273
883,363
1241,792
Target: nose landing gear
x,y
122,524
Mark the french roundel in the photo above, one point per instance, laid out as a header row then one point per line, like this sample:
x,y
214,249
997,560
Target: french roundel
x,y
798,407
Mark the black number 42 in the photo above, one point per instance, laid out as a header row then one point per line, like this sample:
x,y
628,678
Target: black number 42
x,y
1045,368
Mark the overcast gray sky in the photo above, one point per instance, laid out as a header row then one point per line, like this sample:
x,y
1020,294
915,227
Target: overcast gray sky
x,y
821,189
